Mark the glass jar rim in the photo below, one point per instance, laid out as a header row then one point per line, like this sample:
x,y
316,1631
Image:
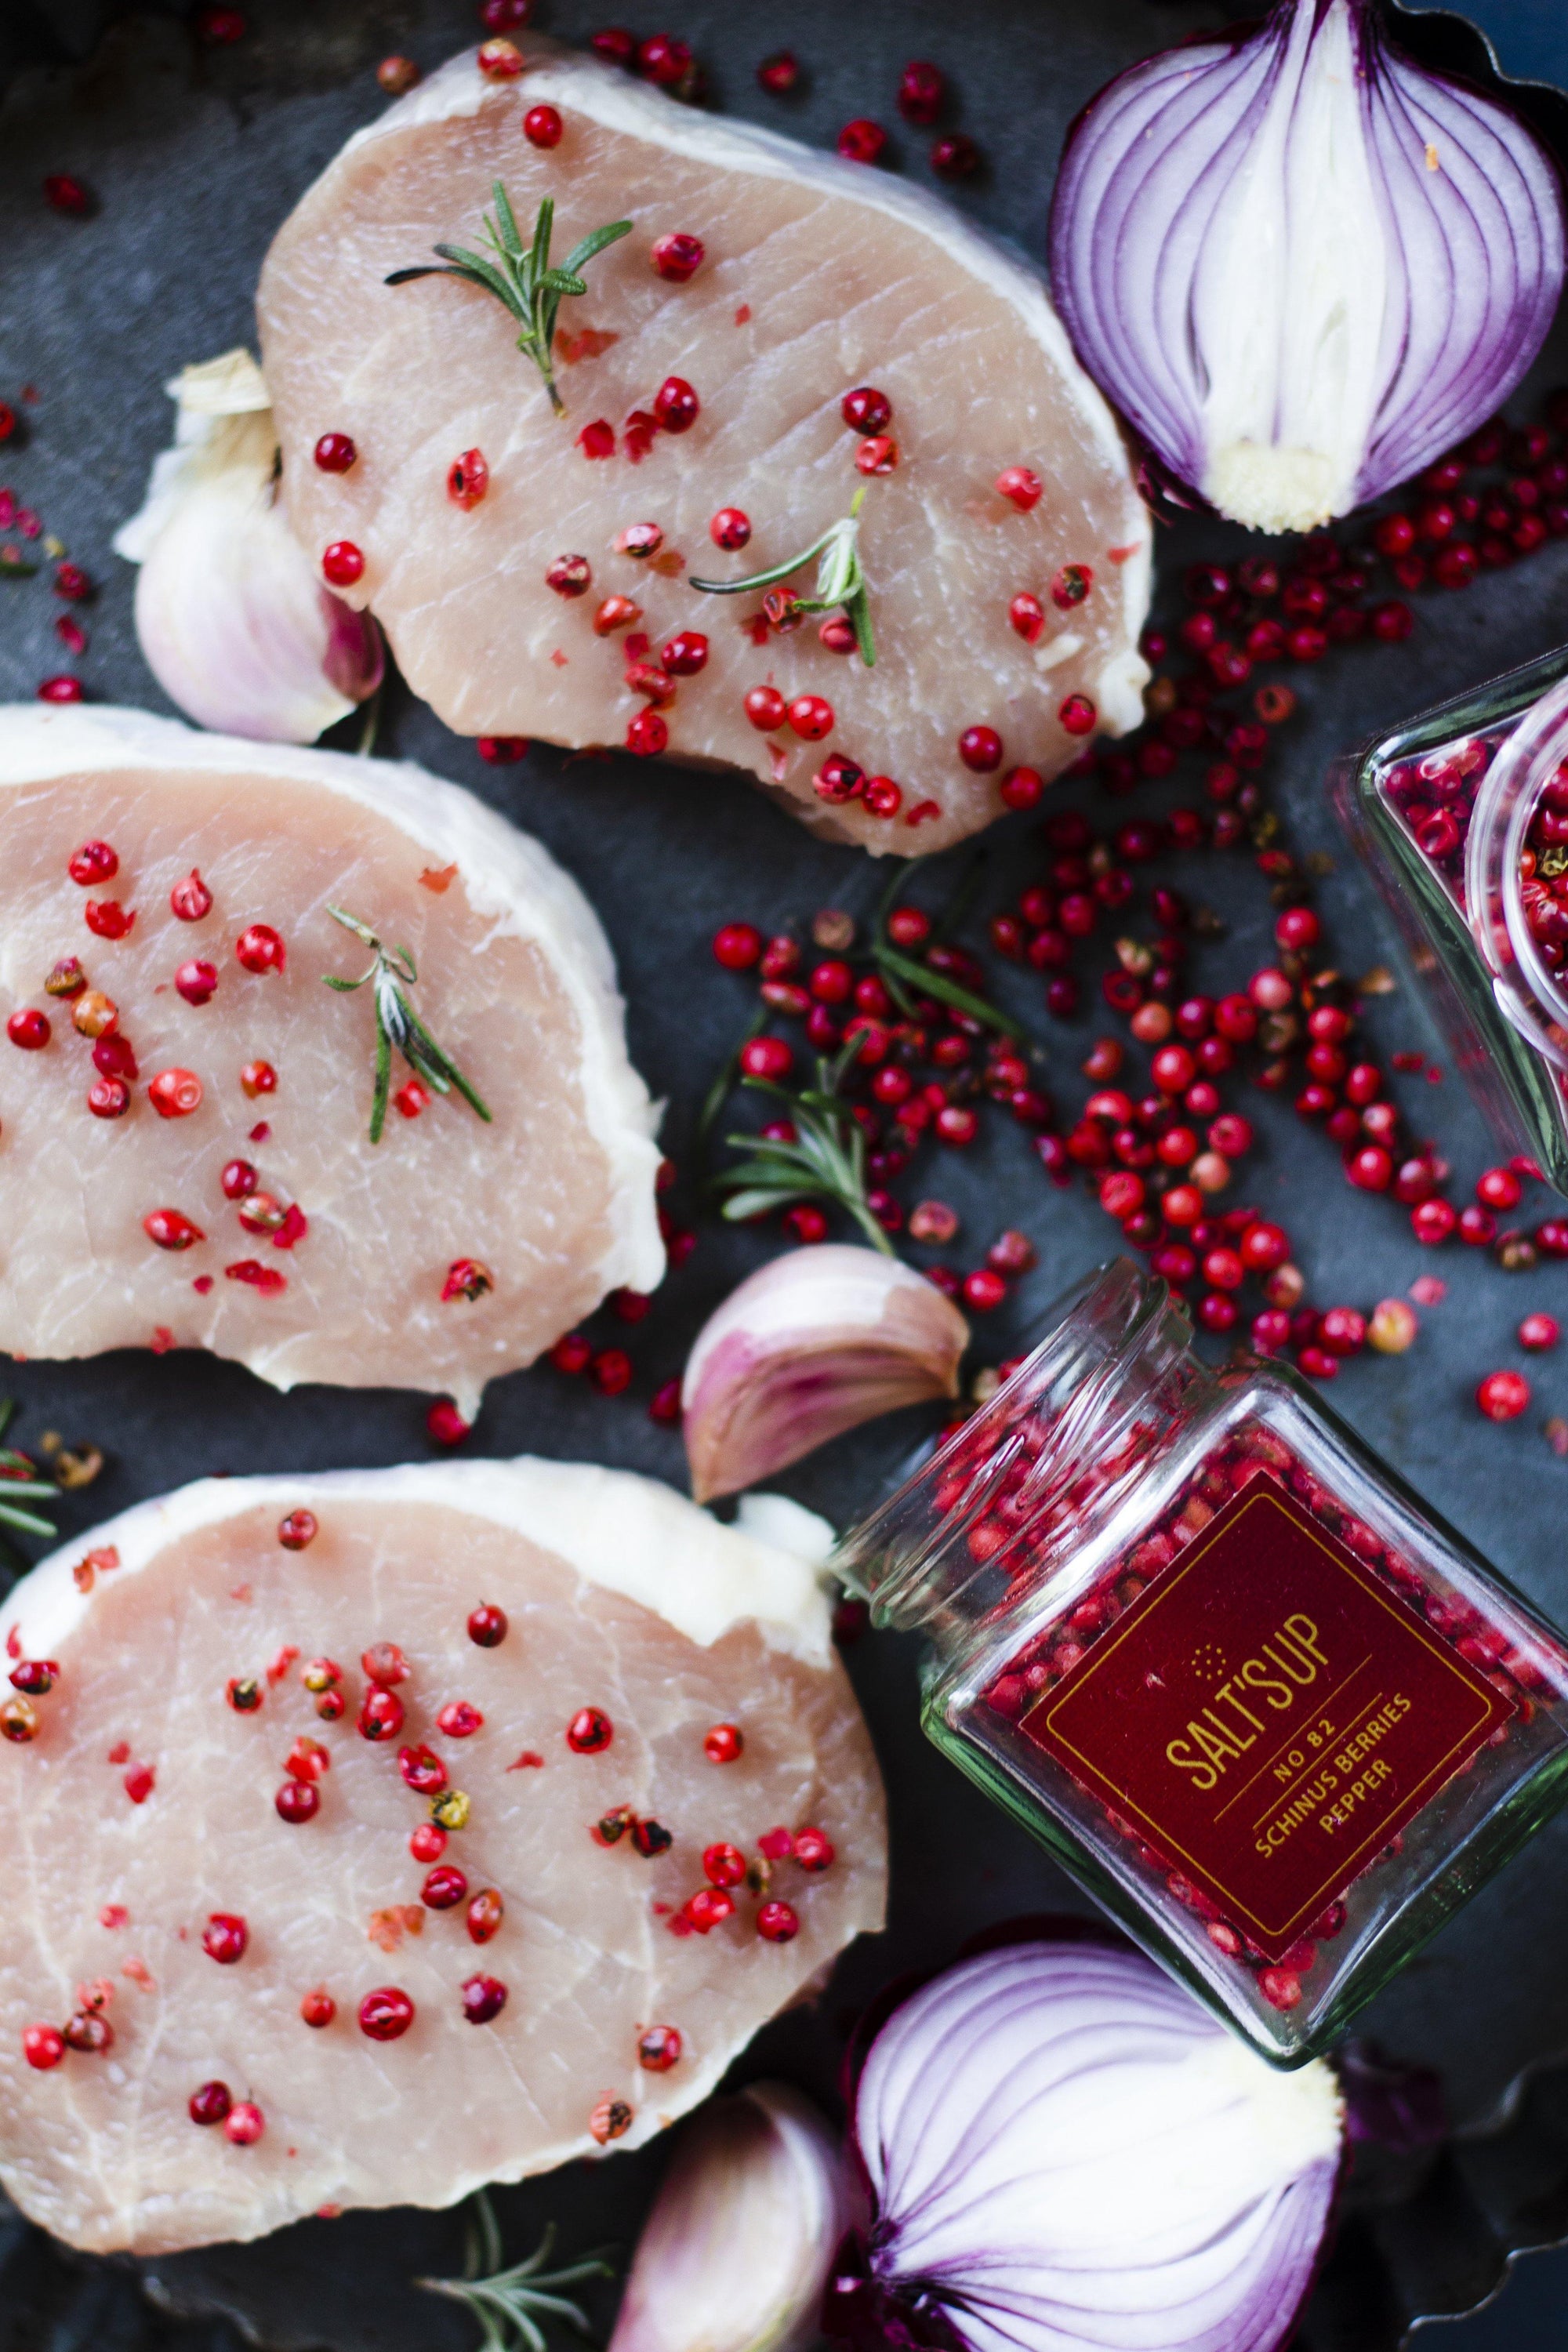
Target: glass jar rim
x,y
1530,996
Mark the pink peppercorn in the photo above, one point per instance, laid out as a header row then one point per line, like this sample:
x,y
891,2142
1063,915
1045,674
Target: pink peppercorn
x,y
861,140
1539,1332
541,126
1503,1396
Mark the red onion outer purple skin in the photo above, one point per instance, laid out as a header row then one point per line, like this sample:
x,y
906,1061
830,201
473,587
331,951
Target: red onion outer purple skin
x,y
1475,244
977,2115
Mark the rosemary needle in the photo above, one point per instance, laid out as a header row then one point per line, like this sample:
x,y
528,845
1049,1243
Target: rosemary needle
x,y
510,2305
522,276
397,1025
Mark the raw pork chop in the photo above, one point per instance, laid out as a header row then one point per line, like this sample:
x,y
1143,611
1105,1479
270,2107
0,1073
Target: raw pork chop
x,y
146,1804
550,1205
819,276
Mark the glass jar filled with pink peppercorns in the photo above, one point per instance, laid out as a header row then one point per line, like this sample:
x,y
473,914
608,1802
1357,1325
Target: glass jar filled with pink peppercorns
x,y
1463,817
1247,1689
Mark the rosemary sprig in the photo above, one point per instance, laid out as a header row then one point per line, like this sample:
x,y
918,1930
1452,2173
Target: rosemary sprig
x,y
20,1485
826,1161
397,1023
510,2305
521,276
840,579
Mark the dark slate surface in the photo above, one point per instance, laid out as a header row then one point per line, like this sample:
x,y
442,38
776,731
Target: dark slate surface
x,y
194,156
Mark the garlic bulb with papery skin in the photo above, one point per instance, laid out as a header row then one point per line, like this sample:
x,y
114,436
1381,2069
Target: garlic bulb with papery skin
x,y
735,2254
813,1343
1301,264
235,626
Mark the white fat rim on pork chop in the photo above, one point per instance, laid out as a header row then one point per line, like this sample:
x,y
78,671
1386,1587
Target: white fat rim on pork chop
x,y
618,102
629,1534
508,876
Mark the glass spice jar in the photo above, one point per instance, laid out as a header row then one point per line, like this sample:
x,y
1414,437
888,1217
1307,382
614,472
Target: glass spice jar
x,y
1247,1688
1463,818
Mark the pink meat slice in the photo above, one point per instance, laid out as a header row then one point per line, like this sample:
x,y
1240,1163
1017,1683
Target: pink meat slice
x,y
145,1804
553,1199
819,276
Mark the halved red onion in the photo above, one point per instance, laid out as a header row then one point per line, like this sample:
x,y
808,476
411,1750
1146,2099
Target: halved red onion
x,y
1302,265
1065,2150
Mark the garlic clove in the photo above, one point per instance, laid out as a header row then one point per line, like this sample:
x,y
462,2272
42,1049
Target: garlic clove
x,y
735,2254
813,1343
234,624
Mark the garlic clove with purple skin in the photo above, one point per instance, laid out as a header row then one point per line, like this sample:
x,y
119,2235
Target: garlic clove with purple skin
x,y
735,2254
813,1343
235,626
1301,264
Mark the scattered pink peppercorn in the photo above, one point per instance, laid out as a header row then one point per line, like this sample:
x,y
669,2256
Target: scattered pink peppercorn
x,y
1503,1396
445,1425
60,690
648,735
342,563
500,60
487,1626
570,575
171,1229
611,1371
66,193
814,1851
196,981
737,945
678,258
921,93
381,1716
444,1888
1392,1327
685,654
505,15
766,1057
980,749
191,899
779,74
1296,929
107,919
723,1865
484,1916
984,1290
877,455
212,2104
175,1094
861,140
484,1998
225,1937
1020,485
723,1744
297,1800
318,2008
615,45
260,948
658,2048
730,528
866,410
29,1029
1078,715
1499,1188
43,2046
955,157
541,126
664,60
777,1923
1027,616
708,1909
468,480
334,453
460,1720
590,1731
1539,1332
109,1099
385,2014
675,405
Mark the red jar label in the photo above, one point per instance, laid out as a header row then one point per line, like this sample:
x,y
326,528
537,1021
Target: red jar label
x,y
1267,1714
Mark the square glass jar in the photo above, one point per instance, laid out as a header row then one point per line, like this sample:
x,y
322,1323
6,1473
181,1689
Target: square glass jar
x,y
1252,1694
1442,810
